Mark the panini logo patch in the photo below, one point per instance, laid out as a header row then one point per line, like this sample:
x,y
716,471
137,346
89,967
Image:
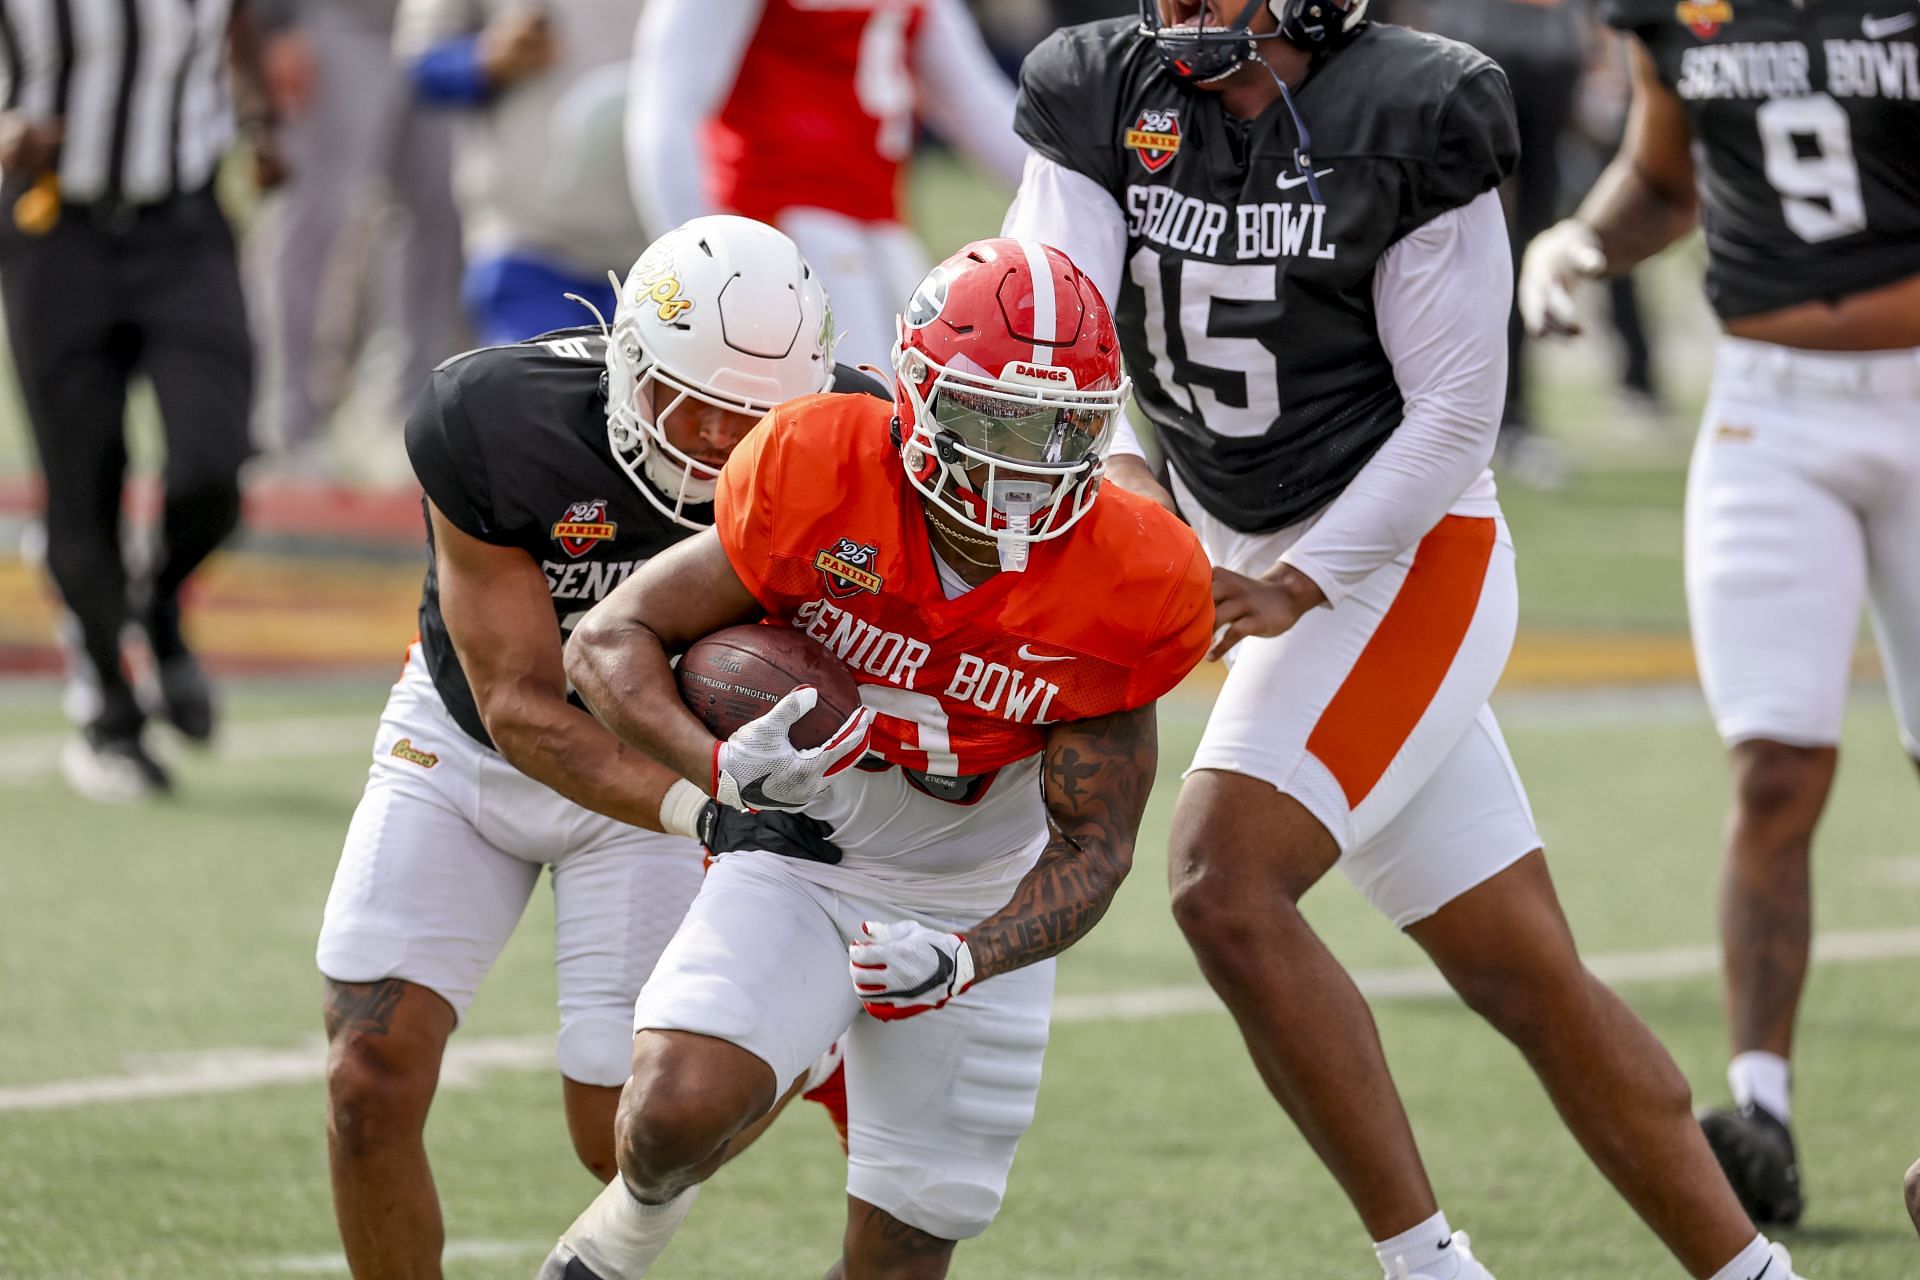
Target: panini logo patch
x,y
847,567
1703,17
584,524
1154,138
405,750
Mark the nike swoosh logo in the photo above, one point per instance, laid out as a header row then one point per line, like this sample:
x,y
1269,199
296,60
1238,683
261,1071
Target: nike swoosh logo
x,y
1287,182
1030,656
1880,28
942,974
1762,1271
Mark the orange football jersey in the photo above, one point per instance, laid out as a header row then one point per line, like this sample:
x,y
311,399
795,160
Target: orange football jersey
x,y
819,520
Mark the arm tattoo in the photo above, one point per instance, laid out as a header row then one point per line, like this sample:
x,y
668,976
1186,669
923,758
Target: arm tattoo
x,y
362,1008
1096,775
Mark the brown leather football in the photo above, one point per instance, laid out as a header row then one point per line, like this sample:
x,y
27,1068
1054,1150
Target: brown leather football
x,y
737,674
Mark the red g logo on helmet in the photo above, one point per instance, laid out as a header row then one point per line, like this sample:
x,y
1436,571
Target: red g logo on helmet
x,y
1007,381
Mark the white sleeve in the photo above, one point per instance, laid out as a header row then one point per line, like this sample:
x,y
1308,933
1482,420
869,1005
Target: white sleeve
x,y
1076,215
962,92
1442,295
671,94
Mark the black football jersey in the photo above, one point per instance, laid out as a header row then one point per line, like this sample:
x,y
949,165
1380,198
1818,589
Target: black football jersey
x,y
1246,308
1806,140
511,444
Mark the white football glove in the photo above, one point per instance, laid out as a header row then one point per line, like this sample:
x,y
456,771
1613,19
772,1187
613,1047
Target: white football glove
x,y
1559,258
760,768
908,968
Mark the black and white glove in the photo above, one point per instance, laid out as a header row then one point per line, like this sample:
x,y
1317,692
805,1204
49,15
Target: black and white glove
x,y
723,829
760,768
907,968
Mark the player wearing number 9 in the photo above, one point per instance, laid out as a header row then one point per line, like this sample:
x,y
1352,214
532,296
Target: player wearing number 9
x,y
1804,496
1297,213
1011,623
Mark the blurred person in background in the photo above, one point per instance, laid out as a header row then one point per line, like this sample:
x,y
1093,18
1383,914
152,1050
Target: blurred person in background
x,y
539,87
1541,47
357,145
551,470
1792,135
802,115
116,260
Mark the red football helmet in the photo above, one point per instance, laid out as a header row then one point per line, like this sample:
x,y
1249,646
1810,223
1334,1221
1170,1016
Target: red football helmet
x,y
1007,381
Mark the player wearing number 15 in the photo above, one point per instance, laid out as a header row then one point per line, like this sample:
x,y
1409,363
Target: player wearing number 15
x,y
1318,326
945,547
1794,131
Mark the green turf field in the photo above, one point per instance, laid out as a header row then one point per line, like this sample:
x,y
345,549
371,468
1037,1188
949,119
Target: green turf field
x,y
173,945
161,1112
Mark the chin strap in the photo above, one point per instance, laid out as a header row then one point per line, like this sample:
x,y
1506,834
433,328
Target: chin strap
x,y
1302,154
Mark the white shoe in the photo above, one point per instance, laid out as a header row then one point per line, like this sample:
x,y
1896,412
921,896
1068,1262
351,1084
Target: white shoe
x,y
1781,1256
112,770
1467,1266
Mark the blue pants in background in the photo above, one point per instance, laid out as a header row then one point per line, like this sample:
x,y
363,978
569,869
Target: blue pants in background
x,y
512,298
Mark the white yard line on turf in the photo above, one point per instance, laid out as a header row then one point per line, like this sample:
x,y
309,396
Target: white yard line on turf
x,y
321,1264
218,1071
36,757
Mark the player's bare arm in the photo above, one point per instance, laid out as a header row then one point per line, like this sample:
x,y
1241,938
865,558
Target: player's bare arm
x,y
1131,472
618,655
500,615
1645,200
1095,775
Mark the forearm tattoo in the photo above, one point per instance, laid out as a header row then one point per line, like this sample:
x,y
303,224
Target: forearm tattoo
x,y
1096,775
363,1008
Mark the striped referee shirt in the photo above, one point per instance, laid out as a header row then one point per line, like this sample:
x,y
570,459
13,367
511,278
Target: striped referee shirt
x,y
141,85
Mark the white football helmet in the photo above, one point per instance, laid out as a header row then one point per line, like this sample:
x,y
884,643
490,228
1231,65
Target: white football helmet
x,y
721,309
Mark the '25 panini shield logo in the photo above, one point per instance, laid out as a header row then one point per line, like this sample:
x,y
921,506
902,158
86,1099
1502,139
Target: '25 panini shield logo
x,y
584,524
1154,138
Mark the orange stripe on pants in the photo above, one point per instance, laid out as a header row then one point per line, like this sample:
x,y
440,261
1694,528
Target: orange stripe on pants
x,y
1397,674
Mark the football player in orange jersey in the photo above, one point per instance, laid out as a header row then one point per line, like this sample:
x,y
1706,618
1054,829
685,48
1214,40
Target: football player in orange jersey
x,y
944,547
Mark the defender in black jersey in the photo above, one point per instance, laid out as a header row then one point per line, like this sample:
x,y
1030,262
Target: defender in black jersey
x,y
1295,213
1792,130
552,468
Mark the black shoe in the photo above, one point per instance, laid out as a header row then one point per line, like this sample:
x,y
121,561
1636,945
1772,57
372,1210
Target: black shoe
x,y
181,694
113,768
1755,1149
186,699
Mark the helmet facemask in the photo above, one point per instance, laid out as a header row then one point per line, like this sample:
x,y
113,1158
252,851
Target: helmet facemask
x,y
1210,49
1011,457
667,476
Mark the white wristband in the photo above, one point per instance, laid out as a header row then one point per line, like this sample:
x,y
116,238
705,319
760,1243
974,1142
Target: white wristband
x,y
680,809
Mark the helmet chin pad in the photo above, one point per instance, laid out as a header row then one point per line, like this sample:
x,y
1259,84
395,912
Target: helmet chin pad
x,y
676,481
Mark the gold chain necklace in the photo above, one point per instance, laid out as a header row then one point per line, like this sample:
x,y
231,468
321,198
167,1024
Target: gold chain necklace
x,y
952,541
